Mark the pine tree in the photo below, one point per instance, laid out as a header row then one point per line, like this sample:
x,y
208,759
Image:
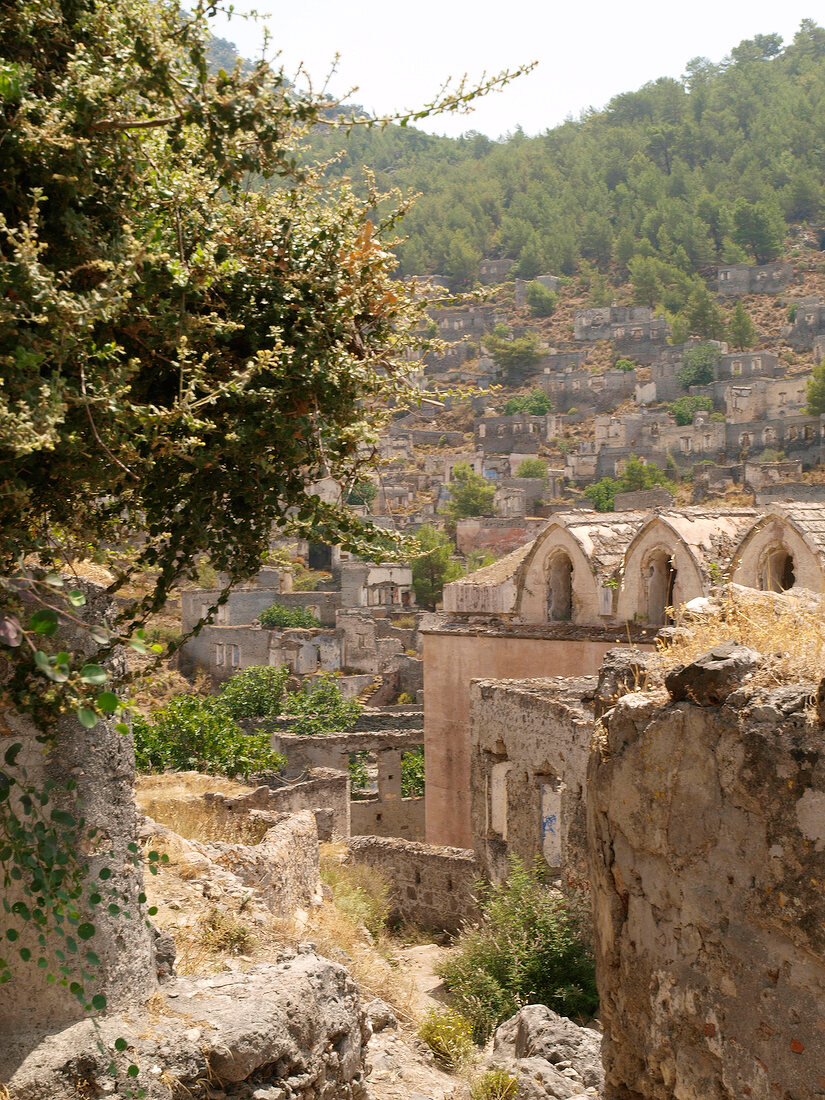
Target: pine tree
x,y
704,316
741,332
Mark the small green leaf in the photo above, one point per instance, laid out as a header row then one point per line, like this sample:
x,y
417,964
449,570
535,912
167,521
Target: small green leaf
x,y
86,930
99,1002
54,580
86,717
120,1044
44,622
76,598
107,701
152,910
93,674
10,756
132,1071
122,728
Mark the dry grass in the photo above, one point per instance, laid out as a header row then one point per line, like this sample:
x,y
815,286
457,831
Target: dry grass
x,y
788,629
175,799
186,784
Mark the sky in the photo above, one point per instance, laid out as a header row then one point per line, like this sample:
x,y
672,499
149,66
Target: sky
x,y
399,55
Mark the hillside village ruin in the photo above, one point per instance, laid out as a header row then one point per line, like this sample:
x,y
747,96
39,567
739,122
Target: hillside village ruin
x,y
697,817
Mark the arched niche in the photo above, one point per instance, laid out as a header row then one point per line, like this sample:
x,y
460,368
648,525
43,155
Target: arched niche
x,y
775,555
660,571
557,582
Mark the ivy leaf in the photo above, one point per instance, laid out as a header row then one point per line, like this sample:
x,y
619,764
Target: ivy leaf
x,y
92,674
85,931
10,756
86,717
99,1002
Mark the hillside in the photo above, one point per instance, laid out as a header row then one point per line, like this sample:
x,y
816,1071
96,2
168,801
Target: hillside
x,y
664,183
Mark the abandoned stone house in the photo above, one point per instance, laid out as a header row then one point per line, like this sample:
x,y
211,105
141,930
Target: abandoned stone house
x,y
579,389
521,433
808,323
634,330
494,271
587,583
549,282
735,280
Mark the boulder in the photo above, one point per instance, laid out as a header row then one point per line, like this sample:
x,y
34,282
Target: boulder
x,y
622,671
711,678
552,1055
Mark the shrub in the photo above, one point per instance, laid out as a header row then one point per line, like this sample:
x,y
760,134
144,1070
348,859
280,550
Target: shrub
x,y
530,948
494,1084
309,580
624,364
541,301
255,692
192,733
405,698
536,403
359,777
280,617
697,365
221,933
532,467
412,773
362,893
319,707
684,409
449,1036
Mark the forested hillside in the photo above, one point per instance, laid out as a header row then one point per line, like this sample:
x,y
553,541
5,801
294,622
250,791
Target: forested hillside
x,y
661,184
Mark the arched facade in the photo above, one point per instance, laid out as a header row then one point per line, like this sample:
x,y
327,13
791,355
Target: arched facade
x,y
557,582
779,553
660,571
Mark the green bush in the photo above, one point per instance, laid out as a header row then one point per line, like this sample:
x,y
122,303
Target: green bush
x,y
684,409
541,301
624,365
319,707
255,692
359,777
360,892
494,1084
280,617
532,467
536,403
449,1036
412,773
192,733
530,948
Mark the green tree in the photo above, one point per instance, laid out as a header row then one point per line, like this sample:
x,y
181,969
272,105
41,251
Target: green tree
x,y
684,409
280,617
470,494
759,227
319,706
536,402
698,365
703,316
816,390
741,332
532,467
637,475
541,301
513,355
434,566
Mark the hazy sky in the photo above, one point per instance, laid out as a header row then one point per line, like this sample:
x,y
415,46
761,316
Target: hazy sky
x,y
398,55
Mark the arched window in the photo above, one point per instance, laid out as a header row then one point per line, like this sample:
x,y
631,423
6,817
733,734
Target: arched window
x,y
560,589
660,581
777,574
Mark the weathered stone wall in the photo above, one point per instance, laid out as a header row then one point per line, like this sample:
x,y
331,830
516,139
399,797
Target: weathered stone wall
x,y
433,886
283,867
101,763
398,817
325,789
529,748
453,658
706,828
332,750
499,536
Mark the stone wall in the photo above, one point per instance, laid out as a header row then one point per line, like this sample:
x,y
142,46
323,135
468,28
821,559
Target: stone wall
x,y
324,789
498,536
433,887
706,828
396,816
529,747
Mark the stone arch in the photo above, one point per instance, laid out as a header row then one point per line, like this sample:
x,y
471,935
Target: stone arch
x,y
559,587
776,554
660,570
557,582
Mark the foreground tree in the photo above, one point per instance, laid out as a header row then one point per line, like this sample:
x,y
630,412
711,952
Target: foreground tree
x,y
192,331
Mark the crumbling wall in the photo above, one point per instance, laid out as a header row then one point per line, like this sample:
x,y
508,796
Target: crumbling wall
x,y
433,886
324,789
529,747
706,828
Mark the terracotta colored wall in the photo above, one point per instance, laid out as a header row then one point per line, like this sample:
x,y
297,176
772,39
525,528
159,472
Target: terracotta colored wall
x,y
451,661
